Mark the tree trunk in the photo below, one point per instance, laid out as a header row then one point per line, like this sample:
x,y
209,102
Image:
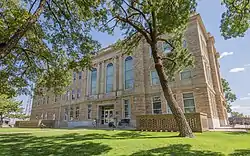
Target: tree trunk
x,y
7,46
184,128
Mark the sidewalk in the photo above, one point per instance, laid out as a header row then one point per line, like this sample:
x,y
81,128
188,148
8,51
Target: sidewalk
x,y
236,128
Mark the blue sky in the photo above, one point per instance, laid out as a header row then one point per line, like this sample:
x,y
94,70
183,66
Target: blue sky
x,y
235,65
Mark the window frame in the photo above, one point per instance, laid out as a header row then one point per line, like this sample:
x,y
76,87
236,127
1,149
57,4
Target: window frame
x,y
47,99
129,108
183,99
73,94
78,94
65,117
109,76
91,81
71,114
151,78
77,112
74,76
163,50
89,111
186,70
125,71
80,75
152,103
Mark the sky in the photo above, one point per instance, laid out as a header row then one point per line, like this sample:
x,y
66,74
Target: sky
x,y
235,54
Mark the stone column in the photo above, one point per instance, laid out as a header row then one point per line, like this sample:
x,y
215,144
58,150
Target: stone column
x,y
115,74
121,72
88,84
102,77
98,79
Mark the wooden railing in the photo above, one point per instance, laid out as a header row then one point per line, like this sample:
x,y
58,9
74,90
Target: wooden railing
x,y
165,122
35,123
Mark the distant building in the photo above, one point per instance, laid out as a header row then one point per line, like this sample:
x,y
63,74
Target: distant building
x,y
122,86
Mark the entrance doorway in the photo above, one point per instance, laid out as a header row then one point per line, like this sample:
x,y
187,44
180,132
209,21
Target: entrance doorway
x,y
107,114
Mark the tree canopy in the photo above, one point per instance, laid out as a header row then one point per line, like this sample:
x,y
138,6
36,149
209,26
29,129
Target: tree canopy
x,y
237,114
41,41
236,19
9,107
229,95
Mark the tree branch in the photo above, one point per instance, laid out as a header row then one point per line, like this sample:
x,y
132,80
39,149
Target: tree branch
x,y
142,31
165,40
32,5
140,12
56,19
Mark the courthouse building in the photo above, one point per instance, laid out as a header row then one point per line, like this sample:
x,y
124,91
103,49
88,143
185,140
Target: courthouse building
x,y
122,86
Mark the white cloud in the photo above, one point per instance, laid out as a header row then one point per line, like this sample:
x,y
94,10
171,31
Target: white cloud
x,y
224,54
235,107
236,70
245,98
247,65
248,94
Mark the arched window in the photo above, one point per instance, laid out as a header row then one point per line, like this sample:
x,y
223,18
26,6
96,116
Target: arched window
x,y
93,81
109,77
166,48
129,73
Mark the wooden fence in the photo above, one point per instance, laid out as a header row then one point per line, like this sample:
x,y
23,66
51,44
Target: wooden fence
x,y
35,123
165,122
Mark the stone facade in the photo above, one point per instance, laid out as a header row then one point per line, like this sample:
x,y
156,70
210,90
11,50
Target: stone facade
x,y
81,106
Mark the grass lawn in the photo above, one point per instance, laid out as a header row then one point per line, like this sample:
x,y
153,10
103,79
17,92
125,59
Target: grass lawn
x,y
80,142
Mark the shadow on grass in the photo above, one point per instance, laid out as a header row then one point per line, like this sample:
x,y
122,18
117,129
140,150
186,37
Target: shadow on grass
x,y
74,137
185,150
19,144
29,145
241,152
238,133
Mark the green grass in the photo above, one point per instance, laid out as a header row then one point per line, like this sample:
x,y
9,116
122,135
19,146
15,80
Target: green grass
x,y
80,142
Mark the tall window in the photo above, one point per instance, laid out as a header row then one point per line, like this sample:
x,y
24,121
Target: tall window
x,y
73,94
55,98
166,48
47,99
129,73
188,100
156,105
89,111
109,77
77,112
44,100
74,76
186,74
66,114
78,95
71,113
154,78
127,109
93,81
80,75
150,51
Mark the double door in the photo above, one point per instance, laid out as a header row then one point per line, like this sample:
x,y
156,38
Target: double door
x,y
108,116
